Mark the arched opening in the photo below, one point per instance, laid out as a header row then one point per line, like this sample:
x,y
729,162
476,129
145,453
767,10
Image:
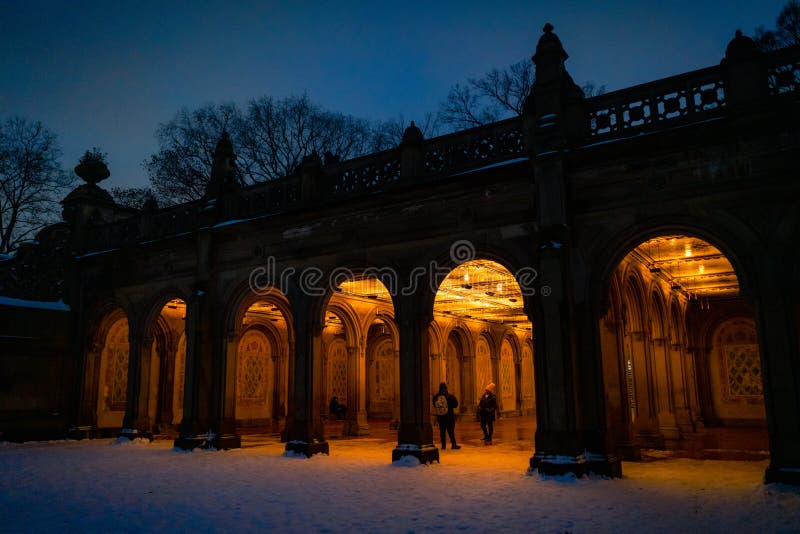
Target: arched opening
x,y
111,370
261,347
680,355
383,372
479,305
165,361
360,383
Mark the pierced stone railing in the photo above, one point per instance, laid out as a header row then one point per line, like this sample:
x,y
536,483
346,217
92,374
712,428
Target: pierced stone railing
x,y
689,97
474,148
367,174
783,71
683,99
274,196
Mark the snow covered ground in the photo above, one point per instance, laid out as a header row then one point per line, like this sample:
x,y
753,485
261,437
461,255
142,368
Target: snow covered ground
x,y
99,485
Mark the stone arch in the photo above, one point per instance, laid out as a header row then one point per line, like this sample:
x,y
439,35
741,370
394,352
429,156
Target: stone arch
x,y
353,333
483,364
256,376
382,352
527,378
719,232
242,297
111,356
508,373
157,358
363,372
509,255
269,312
736,374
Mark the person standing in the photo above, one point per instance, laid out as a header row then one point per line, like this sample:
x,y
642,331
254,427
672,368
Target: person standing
x,y
443,405
486,409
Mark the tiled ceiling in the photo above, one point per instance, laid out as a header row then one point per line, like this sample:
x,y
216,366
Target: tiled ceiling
x,y
689,264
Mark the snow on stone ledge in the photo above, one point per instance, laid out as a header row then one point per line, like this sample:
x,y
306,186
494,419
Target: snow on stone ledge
x,y
37,304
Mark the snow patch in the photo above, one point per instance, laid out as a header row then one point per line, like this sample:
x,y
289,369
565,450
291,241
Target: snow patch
x,y
37,304
407,461
126,442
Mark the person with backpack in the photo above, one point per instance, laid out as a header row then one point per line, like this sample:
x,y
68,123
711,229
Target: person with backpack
x,y
486,409
443,405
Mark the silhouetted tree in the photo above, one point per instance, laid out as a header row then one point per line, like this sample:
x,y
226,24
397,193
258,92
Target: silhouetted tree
x,y
389,133
179,171
496,95
32,181
786,32
276,134
133,197
270,140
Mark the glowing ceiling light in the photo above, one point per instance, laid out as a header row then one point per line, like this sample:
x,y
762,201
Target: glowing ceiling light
x,y
687,251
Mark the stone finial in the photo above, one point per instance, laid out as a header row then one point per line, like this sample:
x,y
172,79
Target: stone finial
x,y
150,203
92,167
549,57
224,158
413,134
742,48
223,167
329,158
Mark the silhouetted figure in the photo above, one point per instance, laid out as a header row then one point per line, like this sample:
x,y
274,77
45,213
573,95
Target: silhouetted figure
x,y
486,409
443,405
337,410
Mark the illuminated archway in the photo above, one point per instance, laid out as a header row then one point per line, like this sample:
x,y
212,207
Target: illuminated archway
x,y
165,361
261,349
480,305
360,355
664,368
112,378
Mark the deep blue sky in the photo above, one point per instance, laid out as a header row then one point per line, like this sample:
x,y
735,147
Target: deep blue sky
x,y
107,73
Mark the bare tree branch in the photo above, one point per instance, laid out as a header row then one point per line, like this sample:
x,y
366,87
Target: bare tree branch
x,y
32,181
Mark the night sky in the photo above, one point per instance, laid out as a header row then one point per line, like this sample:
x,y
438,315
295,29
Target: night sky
x,y
102,74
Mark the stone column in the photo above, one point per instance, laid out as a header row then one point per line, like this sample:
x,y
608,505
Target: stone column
x,y
396,385
356,422
644,385
304,430
667,424
618,409
571,430
600,449
780,359
194,427
223,399
559,445
168,356
415,433
680,388
136,423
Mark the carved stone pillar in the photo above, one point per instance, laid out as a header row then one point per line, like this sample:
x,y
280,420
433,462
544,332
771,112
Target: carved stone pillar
x,y
680,388
559,445
646,420
667,424
356,422
415,433
223,401
166,386
136,423
194,427
304,429
396,398
780,358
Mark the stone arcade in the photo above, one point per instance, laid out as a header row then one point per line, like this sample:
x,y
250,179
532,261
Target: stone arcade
x,y
624,267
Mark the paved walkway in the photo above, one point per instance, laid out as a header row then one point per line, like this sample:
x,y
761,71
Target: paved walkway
x,y
518,432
